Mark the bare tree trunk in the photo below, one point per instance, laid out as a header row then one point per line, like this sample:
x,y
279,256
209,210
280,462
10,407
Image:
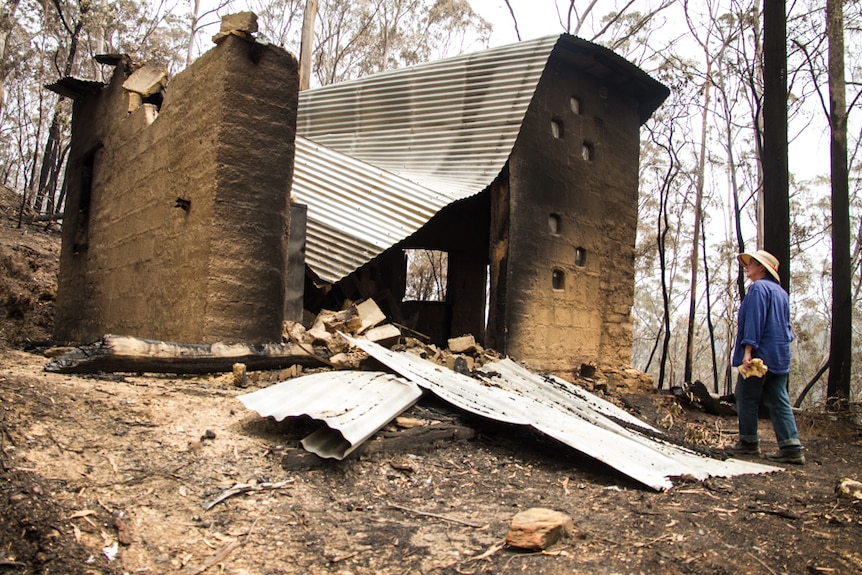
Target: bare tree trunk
x,y
48,173
662,229
709,324
193,30
838,387
7,23
695,247
307,44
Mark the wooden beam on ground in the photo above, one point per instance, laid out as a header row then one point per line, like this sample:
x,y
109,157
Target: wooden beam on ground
x,y
134,355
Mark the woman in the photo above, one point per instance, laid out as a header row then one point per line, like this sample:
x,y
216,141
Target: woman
x,y
764,334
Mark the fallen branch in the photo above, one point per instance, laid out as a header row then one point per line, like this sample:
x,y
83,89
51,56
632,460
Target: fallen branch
x,y
436,516
219,555
765,566
489,551
244,488
811,383
216,557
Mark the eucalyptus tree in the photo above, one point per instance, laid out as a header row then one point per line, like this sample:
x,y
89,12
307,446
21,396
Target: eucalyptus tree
x,y
279,21
45,41
68,19
198,21
713,43
7,25
820,47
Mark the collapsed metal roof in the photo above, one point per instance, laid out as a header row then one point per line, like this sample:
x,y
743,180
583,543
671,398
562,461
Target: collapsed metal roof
x,y
377,157
356,404
353,404
509,393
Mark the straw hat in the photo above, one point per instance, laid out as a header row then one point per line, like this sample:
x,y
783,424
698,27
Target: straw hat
x,y
764,258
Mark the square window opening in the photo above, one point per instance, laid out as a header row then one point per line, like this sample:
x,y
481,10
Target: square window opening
x,y
427,275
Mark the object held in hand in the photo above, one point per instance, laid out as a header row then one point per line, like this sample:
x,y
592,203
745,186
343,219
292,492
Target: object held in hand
x,y
757,369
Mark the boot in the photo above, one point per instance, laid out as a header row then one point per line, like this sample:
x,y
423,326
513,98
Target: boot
x,y
788,455
743,448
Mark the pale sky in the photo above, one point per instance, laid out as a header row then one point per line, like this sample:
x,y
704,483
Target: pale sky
x,y
536,18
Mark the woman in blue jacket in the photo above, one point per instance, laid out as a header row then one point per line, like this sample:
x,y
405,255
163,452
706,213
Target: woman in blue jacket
x,y
764,334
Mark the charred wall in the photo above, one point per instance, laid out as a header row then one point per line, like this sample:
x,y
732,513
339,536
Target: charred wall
x,y
176,219
573,181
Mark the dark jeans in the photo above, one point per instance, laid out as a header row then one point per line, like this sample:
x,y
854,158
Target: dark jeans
x,y
773,388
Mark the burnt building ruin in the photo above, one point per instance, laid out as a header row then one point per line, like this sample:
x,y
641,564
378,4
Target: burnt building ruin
x,y
520,163
178,200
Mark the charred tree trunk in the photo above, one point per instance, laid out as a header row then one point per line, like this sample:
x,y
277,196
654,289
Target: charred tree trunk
x,y
52,158
776,201
838,387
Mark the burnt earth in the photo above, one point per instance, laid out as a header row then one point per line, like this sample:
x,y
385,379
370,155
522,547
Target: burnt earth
x,y
86,462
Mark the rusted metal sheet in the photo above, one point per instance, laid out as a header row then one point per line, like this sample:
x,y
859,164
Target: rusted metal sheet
x,y
509,393
353,404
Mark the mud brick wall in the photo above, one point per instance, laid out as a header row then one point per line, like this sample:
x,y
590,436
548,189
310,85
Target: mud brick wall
x,y
222,143
573,185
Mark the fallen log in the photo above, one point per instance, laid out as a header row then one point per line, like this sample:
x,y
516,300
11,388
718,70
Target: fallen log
x,y
134,355
696,395
417,439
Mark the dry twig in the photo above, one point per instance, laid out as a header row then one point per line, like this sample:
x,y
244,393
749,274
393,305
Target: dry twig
x,y
243,488
437,516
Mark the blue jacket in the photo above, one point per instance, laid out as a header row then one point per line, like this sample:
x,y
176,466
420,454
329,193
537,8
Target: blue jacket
x,y
764,324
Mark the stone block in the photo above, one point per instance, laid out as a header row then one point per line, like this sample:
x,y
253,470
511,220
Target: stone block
x,y
383,334
539,528
369,314
239,22
146,80
463,344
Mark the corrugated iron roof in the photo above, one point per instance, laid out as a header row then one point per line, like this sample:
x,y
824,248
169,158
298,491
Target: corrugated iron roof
x,y
376,158
509,393
419,138
355,210
353,404
448,125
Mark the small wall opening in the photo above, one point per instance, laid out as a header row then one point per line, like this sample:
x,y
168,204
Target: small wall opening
x,y
82,219
558,280
554,224
557,128
588,151
427,275
576,105
580,257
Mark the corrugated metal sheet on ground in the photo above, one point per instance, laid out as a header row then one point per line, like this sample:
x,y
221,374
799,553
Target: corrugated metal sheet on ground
x,y
354,405
561,410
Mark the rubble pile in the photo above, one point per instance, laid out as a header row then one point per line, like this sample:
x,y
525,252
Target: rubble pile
x,y
463,354
364,320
